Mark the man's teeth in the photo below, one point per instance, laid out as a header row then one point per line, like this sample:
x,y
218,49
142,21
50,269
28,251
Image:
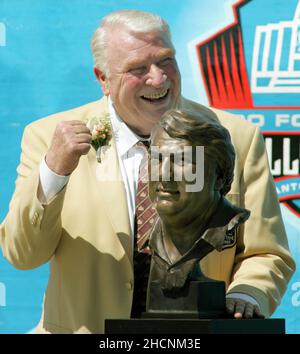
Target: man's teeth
x,y
156,96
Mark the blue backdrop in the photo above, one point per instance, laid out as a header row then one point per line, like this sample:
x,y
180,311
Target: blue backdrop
x,y
46,67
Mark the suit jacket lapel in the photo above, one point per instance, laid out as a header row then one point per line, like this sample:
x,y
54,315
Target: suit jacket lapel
x,y
112,189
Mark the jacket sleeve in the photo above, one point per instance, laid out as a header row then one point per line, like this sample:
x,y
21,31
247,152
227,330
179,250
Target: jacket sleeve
x,y
31,231
263,264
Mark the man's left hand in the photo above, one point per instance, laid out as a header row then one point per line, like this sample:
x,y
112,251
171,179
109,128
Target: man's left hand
x,y
242,309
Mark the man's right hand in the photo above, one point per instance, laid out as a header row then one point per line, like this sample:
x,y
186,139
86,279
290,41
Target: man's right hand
x,y
70,141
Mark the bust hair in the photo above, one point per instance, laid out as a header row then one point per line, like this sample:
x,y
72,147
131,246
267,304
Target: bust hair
x,y
202,128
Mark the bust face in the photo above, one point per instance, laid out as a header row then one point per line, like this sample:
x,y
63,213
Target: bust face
x,y
170,196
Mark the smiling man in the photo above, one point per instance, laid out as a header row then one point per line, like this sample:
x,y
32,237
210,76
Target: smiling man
x,y
80,214
143,79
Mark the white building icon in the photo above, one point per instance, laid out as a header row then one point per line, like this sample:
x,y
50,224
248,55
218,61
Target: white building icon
x,y
2,35
276,57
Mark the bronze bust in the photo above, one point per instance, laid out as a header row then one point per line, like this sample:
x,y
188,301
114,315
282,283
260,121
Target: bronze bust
x,y
191,222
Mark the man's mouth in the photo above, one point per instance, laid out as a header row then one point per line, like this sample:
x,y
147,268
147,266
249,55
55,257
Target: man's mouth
x,y
156,97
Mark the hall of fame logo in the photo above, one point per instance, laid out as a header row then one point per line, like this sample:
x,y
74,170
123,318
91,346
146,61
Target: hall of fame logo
x,y
251,67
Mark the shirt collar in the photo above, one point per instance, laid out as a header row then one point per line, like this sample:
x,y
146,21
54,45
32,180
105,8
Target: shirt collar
x,y
124,136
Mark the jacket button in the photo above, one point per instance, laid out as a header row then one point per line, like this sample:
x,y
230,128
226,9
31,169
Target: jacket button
x,y
129,285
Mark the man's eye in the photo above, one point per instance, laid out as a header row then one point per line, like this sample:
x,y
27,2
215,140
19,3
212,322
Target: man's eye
x,y
137,71
166,62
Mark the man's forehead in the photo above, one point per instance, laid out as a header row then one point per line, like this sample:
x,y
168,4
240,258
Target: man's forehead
x,y
133,40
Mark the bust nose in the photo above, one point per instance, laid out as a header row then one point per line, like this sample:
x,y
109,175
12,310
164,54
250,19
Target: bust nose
x,y
166,170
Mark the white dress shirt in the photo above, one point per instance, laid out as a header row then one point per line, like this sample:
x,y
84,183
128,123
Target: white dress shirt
x,y
130,158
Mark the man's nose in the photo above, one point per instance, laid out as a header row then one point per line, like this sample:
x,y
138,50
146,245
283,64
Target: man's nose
x,y
157,77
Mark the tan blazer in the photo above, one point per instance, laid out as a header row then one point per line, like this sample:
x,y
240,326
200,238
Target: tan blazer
x,y
85,234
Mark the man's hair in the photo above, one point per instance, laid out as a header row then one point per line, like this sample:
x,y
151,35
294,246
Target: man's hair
x,y
202,128
134,22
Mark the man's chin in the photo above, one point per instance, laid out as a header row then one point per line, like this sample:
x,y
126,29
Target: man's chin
x,y
152,119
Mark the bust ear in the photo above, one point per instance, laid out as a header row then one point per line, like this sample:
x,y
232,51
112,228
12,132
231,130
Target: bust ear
x,y
219,183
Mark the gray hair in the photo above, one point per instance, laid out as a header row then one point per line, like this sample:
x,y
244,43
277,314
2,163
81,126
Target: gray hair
x,y
133,20
202,128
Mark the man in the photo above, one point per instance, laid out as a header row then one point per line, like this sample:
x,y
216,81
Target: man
x,y
79,214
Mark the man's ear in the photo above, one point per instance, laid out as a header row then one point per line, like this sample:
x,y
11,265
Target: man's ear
x,y
103,81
